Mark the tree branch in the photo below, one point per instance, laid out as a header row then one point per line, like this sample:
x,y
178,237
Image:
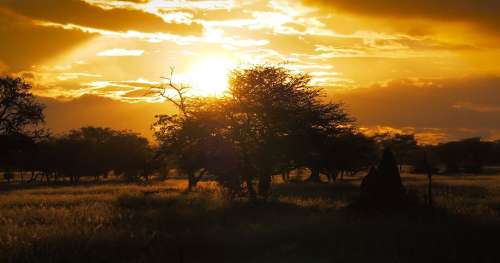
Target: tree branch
x,y
180,99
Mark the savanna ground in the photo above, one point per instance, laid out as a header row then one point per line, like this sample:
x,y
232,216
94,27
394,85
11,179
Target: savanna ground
x,y
159,222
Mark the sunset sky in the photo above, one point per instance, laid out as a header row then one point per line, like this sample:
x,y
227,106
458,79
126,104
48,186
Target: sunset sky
x,y
428,67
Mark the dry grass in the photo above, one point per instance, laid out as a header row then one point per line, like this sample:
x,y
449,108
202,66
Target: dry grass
x,y
114,222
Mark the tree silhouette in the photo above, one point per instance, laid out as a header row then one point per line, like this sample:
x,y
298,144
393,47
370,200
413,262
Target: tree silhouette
x,y
352,153
264,126
184,136
187,139
19,111
425,160
280,110
20,118
92,152
468,155
404,146
129,155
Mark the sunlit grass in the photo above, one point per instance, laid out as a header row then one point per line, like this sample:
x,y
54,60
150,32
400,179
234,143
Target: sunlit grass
x,y
114,222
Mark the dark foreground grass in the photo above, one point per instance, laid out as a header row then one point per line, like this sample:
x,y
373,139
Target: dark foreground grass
x,y
301,223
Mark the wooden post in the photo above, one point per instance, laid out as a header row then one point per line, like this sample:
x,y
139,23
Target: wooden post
x,y
429,180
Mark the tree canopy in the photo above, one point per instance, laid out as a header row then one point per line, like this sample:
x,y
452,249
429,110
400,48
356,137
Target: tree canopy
x,y
20,113
271,120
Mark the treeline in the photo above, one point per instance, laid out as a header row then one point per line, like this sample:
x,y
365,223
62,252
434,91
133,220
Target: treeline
x,y
85,152
25,146
469,155
271,122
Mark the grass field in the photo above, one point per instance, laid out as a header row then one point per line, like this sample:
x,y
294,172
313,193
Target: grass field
x,y
158,222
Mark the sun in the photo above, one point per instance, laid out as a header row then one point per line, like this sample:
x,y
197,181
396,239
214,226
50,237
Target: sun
x,y
209,76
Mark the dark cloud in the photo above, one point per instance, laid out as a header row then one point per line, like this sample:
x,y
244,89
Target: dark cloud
x,y
462,107
84,14
24,44
484,13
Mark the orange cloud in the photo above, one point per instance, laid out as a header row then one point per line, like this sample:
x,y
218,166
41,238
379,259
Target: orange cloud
x,y
24,44
483,13
84,14
429,106
119,52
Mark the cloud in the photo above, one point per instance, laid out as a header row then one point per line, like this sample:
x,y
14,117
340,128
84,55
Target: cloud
x,y
434,109
423,135
459,107
483,13
477,107
71,75
3,67
84,14
119,52
24,44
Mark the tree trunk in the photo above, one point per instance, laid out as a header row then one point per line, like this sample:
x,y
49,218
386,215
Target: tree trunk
x,y
252,195
264,185
33,176
315,178
193,179
429,183
429,189
285,176
333,176
191,182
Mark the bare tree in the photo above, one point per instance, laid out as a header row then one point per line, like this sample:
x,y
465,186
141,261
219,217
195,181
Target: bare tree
x,y
179,100
185,152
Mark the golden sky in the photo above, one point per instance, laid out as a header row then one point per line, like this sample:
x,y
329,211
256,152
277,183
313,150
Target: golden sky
x,y
429,67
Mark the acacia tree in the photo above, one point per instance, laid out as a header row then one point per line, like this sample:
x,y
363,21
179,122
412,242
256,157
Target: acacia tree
x,y
129,155
20,119
467,155
270,121
20,113
93,151
282,121
351,153
404,146
185,137
188,139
